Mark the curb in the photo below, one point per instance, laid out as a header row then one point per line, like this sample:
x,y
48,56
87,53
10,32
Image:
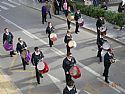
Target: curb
x,y
89,30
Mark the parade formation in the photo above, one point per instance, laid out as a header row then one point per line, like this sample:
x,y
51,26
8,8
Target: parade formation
x,y
69,64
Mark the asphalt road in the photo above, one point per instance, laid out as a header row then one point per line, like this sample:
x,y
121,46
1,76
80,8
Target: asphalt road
x,y
26,23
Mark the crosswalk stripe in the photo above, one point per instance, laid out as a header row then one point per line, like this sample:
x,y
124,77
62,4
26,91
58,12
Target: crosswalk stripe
x,y
8,4
3,7
14,2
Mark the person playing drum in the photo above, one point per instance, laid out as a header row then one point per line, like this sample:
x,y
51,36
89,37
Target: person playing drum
x,y
37,56
67,38
68,62
100,42
49,30
21,46
8,37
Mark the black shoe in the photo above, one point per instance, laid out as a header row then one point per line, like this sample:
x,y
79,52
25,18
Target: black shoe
x,y
14,53
11,55
41,75
76,32
38,82
107,81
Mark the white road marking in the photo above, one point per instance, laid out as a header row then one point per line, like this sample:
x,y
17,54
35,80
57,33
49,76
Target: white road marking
x,y
3,7
118,88
14,2
8,4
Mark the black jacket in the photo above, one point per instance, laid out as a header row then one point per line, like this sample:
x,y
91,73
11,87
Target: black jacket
x,y
36,58
107,58
99,23
49,30
8,38
100,41
77,16
20,47
72,91
68,64
67,38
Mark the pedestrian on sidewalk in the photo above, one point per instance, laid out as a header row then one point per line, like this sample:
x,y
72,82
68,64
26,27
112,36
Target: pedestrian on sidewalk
x,y
120,7
104,6
68,62
48,6
22,46
8,38
56,5
67,12
37,57
67,38
49,30
44,13
108,60
76,17
70,88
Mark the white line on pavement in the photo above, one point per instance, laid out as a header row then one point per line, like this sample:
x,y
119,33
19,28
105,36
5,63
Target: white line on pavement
x,y
3,7
118,88
14,2
8,4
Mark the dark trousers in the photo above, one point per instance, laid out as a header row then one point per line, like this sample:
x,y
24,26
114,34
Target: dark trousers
x,y
106,70
11,53
56,10
68,49
68,23
49,14
98,33
99,53
24,63
50,42
43,18
68,77
77,27
37,75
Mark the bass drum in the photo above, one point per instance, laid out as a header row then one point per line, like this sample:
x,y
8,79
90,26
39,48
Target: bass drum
x,y
81,22
106,46
75,72
53,37
7,46
72,44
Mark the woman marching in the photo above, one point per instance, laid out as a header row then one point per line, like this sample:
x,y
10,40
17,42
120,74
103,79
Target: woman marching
x,y
8,41
37,56
49,30
21,46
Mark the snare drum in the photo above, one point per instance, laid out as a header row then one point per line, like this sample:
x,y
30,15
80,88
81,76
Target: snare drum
x,y
72,44
75,72
7,46
53,37
26,55
103,30
106,46
81,22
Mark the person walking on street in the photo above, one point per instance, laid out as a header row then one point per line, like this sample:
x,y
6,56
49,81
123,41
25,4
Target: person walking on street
x,y
49,30
70,88
21,46
67,12
44,12
37,56
48,6
68,62
67,38
77,16
8,37
56,5
108,57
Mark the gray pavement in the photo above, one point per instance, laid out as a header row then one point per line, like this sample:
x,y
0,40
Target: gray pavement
x,y
25,22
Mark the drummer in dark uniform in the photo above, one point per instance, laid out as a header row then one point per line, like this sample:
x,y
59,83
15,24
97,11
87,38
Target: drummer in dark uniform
x,y
67,38
49,30
108,57
76,17
100,42
8,36
21,46
68,62
37,56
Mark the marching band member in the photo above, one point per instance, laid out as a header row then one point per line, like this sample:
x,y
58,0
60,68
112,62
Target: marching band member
x,y
77,16
68,62
108,57
8,36
67,38
100,42
37,56
21,45
49,30
66,14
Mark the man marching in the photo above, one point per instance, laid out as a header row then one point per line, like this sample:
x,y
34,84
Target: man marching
x,y
21,46
68,62
8,37
37,56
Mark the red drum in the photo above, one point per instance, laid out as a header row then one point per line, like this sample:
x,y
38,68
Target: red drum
x,y
75,72
42,67
81,22
72,44
103,30
53,37
7,46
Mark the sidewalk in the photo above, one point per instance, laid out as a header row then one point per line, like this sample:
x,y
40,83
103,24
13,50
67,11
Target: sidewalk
x,y
6,86
90,23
